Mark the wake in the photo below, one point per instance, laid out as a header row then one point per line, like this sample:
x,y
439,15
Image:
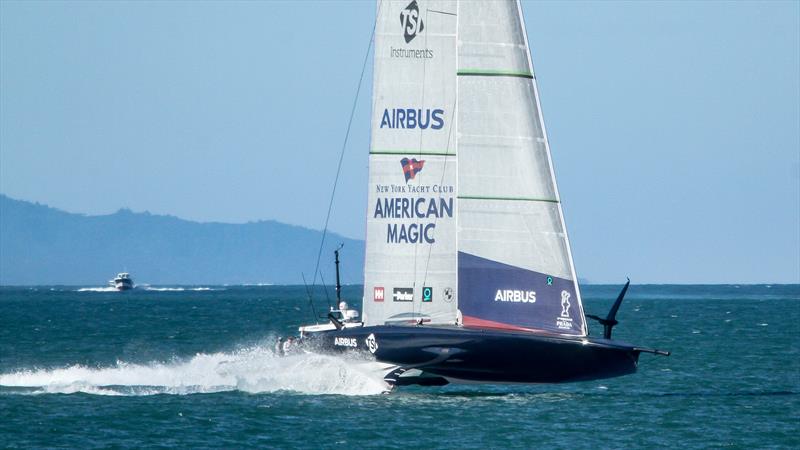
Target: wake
x,y
149,288
253,370
178,289
98,289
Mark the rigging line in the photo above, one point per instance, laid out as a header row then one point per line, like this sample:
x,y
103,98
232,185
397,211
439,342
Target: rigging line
x,y
440,12
325,288
310,302
444,170
441,181
344,147
419,180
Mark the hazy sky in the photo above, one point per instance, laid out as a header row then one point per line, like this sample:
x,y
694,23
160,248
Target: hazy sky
x,y
675,127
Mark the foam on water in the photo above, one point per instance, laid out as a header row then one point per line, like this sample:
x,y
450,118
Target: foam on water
x,y
150,288
178,289
253,370
98,289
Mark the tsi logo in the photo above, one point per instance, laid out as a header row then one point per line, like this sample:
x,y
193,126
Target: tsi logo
x,y
372,343
515,296
411,21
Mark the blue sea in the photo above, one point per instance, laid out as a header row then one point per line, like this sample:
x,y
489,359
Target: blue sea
x,y
193,366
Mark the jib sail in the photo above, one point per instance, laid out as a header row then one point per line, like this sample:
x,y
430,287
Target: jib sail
x,y
515,268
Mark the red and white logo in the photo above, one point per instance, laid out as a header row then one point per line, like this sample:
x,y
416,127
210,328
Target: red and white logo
x,y
378,294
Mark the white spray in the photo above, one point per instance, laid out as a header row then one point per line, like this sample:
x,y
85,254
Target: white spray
x,y
253,370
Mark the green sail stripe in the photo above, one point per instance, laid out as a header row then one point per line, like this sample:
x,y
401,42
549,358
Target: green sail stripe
x,y
493,73
517,199
411,152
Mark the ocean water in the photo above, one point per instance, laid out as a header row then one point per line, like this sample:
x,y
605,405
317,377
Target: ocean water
x,y
194,367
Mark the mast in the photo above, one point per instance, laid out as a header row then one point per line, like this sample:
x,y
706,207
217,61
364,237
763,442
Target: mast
x,y
338,284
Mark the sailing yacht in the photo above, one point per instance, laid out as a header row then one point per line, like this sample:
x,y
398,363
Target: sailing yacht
x,y
468,272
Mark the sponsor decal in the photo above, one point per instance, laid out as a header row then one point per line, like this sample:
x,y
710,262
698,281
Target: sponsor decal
x,y
372,343
378,294
412,208
565,321
410,234
411,167
515,296
549,280
565,303
423,204
415,189
427,294
345,342
418,53
448,294
411,21
482,295
564,324
403,295
412,25
412,118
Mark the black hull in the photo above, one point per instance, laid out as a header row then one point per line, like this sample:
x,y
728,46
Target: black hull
x,y
485,356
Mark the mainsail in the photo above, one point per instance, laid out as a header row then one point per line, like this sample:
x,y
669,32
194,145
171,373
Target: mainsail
x,y
464,221
411,258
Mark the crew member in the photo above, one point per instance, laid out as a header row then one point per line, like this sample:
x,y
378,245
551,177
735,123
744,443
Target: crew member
x,y
279,347
288,345
348,315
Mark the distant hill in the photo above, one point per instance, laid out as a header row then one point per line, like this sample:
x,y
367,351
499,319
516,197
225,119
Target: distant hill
x,y
43,245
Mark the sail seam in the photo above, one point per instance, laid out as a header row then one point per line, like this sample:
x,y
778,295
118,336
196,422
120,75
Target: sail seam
x,y
494,73
520,199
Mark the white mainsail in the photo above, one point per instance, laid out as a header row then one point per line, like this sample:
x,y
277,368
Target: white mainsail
x,y
464,216
411,217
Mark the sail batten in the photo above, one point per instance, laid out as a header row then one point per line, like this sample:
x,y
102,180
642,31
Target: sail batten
x,y
493,73
510,199
412,152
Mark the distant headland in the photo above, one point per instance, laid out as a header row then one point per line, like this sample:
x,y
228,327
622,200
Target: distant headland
x,y
43,245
